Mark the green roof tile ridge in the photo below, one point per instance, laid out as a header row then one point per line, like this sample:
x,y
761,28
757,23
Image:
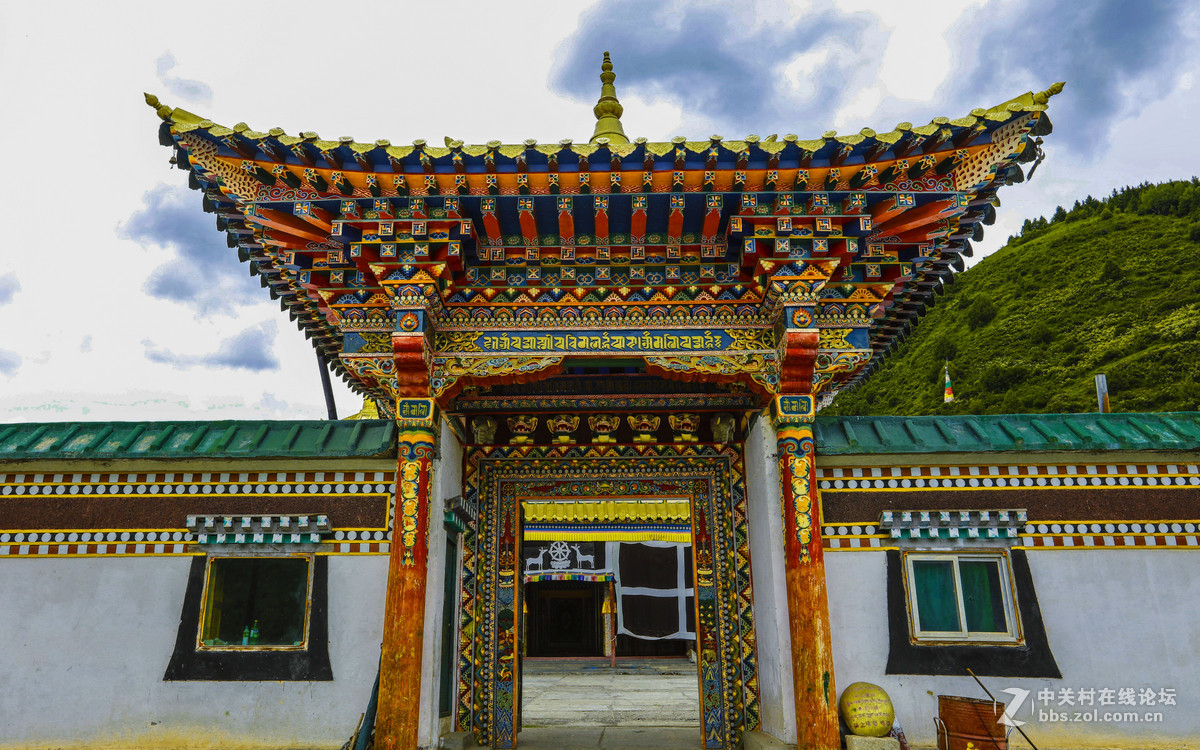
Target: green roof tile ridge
x,y
290,438
999,433
980,436
1167,440
943,428
834,436
195,439
1017,438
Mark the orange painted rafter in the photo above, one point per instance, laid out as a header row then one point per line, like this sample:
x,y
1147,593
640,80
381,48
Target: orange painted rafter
x,y
675,225
916,217
566,220
316,216
286,223
601,224
286,241
528,226
924,233
637,225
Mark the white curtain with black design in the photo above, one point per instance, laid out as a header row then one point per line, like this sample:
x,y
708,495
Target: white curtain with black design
x,y
655,595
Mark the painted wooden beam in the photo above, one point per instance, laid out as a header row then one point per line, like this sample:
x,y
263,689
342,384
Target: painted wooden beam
x,y
404,614
399,706
804,564
285,223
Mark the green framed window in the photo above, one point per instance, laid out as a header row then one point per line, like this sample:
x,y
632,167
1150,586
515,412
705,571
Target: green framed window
x,y
961,597
256,603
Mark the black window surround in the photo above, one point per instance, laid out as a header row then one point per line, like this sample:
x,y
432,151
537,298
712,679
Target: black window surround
x,y
1030,658
248,664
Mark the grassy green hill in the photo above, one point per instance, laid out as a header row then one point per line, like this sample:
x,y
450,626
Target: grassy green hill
x,y
1111,286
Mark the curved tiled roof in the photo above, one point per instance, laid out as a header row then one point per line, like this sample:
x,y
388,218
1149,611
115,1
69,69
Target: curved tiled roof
x,y
382,151
835,436
337,228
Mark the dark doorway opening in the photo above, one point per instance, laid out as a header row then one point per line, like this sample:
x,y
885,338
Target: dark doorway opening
x,y
635,647
564,618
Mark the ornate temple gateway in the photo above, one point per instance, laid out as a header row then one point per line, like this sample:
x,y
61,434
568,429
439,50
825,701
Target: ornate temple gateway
x,y
603,324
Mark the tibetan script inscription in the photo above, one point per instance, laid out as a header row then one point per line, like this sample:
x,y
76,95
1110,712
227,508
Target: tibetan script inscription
x,y
615,341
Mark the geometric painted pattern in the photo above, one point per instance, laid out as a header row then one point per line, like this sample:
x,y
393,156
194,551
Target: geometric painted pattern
x,y
1009,475
1081,536
1127,532
711,476
131,537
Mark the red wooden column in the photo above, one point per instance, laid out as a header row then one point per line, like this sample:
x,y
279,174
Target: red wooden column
x,y
804,561
398,709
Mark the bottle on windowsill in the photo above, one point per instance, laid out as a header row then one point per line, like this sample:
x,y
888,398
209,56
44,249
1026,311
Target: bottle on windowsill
x,y
246,636
254,633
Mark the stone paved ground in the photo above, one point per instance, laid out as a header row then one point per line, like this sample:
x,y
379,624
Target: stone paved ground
x,y
637,693
610,738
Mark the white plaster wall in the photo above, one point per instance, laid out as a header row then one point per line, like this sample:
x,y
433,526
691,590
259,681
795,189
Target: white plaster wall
x,y
765,520
84,643
1113,618
446,483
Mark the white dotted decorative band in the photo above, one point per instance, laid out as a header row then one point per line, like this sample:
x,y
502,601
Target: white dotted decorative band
x,y
197,485
246,483
1008,476
34,548
1076,535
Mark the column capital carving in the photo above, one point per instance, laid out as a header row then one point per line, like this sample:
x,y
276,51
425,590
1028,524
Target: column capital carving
x,y
798,355
793,410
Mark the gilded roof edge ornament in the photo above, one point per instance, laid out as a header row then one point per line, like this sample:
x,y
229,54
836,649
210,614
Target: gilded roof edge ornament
x,y
162,110
1030,99
1044,96
608,110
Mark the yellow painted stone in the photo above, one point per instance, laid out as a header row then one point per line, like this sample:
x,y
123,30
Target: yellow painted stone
x,y
867,710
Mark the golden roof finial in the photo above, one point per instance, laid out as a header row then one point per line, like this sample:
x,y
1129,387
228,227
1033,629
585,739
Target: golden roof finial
x,y
1044,96
1030,99
162,110
608,110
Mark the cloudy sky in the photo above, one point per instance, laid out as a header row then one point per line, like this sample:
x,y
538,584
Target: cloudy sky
x,y
120,300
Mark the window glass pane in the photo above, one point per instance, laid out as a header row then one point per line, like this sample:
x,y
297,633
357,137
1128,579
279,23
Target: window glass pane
x,y
982,597
256,602
937,601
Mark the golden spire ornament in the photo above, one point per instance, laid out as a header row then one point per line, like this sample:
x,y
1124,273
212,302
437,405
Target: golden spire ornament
x,y
608,110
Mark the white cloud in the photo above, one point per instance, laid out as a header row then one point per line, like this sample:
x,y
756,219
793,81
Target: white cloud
x,y
247,350
798,73
9,286
10,362
885,49
195,92
271,404
858,108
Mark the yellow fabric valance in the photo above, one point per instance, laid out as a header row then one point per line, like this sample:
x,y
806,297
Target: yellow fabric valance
x,y
584,533
607,511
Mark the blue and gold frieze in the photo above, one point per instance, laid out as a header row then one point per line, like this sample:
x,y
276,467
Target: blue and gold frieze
x,y
616,341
